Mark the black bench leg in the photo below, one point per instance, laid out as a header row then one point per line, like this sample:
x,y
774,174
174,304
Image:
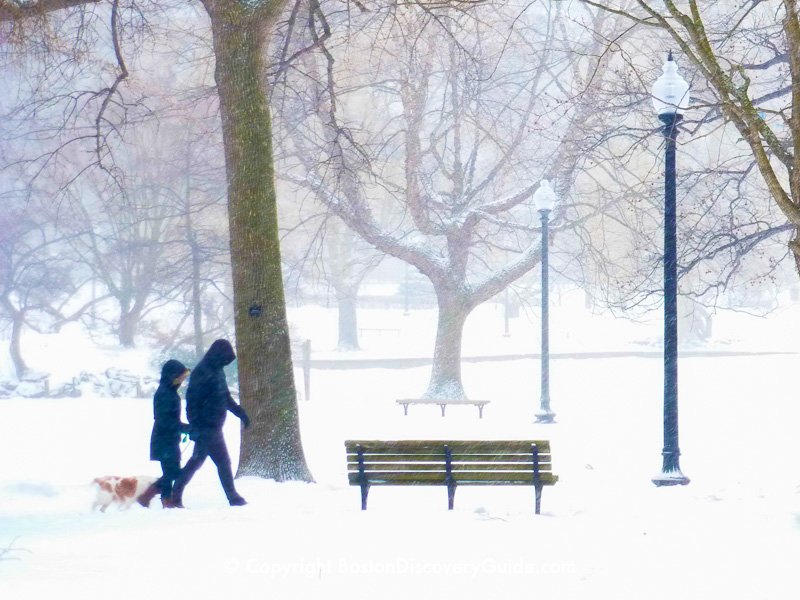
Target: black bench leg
x,y
364,494
451,496
362,477
538,498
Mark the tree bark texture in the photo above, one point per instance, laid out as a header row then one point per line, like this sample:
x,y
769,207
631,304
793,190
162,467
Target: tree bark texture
x,y
445,379
271,446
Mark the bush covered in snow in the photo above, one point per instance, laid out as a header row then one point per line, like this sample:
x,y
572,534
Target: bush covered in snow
x,y
113,382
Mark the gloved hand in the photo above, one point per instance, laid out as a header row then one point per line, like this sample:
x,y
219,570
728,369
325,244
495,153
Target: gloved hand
x,y
245,420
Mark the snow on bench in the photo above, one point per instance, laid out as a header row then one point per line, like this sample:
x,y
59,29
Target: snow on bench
x,y
443,403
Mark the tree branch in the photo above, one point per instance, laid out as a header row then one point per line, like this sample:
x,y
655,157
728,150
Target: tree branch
x,y
13,10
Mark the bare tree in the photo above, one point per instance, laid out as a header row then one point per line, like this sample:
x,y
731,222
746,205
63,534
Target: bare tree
x,y
322,254
730,232
40,279
745,56
347,263
465,134
130,238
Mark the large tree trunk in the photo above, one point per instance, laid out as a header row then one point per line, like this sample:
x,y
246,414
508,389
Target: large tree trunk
x,y
196,260
128,325
197,305
271,447
445,379
15,347
347,303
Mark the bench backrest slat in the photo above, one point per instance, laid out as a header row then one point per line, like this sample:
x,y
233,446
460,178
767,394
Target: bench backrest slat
x,y
456,446
457,457
439,467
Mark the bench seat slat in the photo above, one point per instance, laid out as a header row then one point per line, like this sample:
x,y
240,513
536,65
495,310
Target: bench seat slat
x,y
456,446
442,401
545,482
438,478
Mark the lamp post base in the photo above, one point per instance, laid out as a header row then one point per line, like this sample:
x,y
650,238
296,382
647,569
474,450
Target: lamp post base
x,y
670,478
545,416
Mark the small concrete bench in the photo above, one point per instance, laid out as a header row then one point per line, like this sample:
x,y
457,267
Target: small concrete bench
x,y
443,403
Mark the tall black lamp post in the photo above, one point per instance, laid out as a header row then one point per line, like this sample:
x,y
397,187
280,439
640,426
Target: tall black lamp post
x,y
545,199
670,99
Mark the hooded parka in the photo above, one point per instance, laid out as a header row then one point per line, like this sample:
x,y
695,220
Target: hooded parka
x,y
167,426
208,401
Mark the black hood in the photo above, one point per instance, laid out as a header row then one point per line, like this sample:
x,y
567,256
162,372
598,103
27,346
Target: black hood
x,y
220,354
171,370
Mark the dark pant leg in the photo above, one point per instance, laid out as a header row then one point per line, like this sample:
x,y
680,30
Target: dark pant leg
x,y
218,452
190,468
171,468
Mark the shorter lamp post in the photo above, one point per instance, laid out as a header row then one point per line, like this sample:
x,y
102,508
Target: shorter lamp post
x,y
506,332
406,293
545,200
670,98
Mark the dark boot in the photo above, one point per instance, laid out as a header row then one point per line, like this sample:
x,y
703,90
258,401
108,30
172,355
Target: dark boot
x,y
148,495
226,478
175,501
169,503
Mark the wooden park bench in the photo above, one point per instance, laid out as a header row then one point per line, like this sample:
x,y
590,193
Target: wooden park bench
x,y
443,403
449,463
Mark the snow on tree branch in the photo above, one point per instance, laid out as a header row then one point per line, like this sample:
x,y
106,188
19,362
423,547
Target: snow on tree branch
x,y
12,10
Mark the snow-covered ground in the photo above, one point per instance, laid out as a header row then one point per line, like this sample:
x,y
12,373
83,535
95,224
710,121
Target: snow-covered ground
x,y
606,531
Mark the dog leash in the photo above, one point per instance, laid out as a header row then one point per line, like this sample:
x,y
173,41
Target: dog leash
x,y
186,445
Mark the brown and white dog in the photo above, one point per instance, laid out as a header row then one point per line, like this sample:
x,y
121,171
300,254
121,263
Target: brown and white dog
x,y
122,491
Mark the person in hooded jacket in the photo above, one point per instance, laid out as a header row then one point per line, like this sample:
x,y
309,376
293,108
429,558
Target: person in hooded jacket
x,y
167,430
208,401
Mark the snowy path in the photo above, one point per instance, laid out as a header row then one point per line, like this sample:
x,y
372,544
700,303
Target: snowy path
x,y
606,531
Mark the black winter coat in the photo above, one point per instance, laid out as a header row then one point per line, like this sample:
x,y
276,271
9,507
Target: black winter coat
x,y
208,399
167,428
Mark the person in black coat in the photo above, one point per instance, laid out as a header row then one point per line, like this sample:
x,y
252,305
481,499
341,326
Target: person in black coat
x,y
167,430
208,401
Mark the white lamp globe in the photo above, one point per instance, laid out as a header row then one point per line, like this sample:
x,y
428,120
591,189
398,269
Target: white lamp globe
x,y
670,91
545,198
